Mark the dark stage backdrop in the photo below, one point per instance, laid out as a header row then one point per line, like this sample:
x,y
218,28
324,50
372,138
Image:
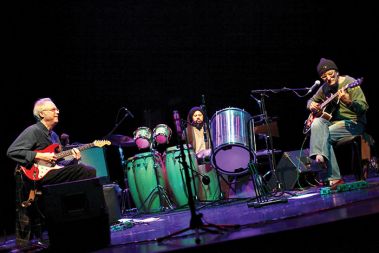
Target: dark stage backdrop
x,y
94,57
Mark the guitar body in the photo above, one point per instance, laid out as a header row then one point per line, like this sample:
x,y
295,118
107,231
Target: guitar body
x,y
39,169
312,117
322,113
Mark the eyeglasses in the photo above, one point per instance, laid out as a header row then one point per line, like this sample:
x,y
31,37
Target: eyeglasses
x,y
52,110
329,74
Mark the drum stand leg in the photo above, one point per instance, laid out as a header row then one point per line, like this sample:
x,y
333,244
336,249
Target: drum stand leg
x,y
162,195
161,192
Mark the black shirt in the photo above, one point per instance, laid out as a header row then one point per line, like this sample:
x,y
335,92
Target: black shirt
x,y
34,137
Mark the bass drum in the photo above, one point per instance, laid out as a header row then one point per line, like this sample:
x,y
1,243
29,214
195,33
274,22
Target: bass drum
x,y
233,141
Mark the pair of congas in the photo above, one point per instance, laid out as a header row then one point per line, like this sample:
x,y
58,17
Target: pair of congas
x,y
143,179
143,136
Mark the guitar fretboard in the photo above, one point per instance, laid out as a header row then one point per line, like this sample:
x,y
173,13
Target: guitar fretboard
x,y
69,152
350,85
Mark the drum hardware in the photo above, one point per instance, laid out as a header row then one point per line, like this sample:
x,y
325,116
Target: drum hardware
x,y
162,194
126,142
196,222
121,140
263,196
268,134
208,135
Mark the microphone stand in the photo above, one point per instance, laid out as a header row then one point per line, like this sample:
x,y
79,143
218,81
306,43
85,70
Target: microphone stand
x,y
121,153
262,196
191,167
118,123
196,222
207,130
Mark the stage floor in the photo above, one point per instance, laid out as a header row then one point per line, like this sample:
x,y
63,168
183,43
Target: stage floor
x,y
306,221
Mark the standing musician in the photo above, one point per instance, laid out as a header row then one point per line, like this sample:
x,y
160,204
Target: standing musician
x,y
347,116
40,136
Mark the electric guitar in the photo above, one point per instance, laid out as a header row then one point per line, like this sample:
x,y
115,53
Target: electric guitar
x,y
39,169
322,113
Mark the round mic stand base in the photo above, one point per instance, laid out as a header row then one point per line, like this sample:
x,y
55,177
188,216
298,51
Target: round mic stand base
x,y
197,224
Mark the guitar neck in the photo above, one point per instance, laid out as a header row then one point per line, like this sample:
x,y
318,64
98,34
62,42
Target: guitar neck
x,y
69,151
328,100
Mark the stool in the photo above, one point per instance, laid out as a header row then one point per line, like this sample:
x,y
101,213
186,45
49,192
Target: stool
x,y
359,150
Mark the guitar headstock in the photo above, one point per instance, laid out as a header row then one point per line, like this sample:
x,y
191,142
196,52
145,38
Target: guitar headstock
x,y
101,143
355,83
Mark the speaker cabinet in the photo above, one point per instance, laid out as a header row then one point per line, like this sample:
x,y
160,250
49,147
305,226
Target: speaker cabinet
x,y
294,167
76,216
112,195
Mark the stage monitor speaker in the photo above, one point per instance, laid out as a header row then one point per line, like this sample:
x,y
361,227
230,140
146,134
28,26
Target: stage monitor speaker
x,y
76,216
112,195
95,157
291,166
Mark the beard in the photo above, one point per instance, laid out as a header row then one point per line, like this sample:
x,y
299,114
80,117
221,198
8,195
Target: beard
x,y
197,125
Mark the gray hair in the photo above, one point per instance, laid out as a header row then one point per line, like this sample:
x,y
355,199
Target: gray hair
x,y
39,106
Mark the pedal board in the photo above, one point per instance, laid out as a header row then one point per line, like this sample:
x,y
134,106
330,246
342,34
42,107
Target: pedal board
x,y
344,187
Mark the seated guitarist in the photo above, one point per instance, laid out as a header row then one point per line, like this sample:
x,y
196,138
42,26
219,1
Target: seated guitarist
x,y
39,136
346,116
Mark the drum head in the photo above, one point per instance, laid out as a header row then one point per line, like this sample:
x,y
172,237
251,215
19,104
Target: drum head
x,y
162,134
142,137
232,159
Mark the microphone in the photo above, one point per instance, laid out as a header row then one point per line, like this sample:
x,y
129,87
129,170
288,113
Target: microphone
x,y
205,132
128,112
205,179
203,100
176,118
314,86
204,117
65,139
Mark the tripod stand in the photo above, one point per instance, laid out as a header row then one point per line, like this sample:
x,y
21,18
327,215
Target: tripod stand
x,y
196,222
158,189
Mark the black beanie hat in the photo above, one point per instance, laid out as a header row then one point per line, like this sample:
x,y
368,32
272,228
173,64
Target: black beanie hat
x,y
325,65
